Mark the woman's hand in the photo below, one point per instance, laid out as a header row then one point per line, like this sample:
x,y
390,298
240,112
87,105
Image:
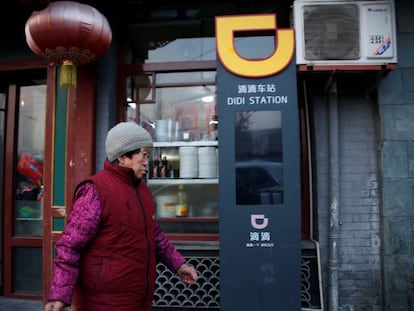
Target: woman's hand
x,y
187,273
54,306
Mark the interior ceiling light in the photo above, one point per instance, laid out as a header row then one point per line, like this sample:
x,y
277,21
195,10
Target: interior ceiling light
x,y
207,99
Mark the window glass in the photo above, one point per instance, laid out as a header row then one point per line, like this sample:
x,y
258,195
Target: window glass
x,y
29,170
27,276
259,157
179,113
192,49
204,49
186,77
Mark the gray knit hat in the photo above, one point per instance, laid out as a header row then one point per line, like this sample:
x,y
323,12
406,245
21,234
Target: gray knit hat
x,y
125,137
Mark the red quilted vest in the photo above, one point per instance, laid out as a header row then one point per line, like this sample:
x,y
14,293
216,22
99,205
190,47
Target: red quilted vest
x,y
118,269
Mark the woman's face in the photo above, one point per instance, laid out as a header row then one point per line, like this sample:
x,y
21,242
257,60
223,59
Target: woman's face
x,y
138,162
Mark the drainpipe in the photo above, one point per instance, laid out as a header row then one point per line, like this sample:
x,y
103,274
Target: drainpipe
x,y
333,234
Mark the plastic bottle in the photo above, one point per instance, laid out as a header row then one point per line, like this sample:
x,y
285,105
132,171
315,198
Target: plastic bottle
x,y
165,170
155,168
181,209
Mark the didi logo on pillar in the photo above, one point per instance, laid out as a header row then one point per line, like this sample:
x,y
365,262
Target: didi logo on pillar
x,y
228,26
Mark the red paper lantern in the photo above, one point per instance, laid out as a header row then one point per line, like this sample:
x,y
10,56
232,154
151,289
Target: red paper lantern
x,y
69,34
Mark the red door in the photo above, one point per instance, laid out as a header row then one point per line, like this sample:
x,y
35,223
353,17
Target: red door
x,y
24,107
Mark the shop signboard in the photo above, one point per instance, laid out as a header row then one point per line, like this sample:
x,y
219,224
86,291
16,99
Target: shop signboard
x,y
259,166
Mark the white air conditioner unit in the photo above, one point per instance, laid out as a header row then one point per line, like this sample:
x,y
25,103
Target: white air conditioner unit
x,y
345,33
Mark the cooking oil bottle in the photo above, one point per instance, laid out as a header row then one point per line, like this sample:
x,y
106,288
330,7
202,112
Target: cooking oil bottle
x,y
181,209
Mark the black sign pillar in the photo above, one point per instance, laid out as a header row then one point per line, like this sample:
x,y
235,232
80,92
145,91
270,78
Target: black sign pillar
x,y
259,170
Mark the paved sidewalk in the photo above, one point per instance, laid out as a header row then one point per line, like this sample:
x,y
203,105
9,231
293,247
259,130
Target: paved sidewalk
x,y
8,304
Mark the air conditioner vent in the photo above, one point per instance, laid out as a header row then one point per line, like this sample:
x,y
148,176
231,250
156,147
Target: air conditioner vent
x,y
344,32
331,32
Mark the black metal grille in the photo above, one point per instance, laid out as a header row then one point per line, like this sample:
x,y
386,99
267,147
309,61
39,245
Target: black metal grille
x,y
171,294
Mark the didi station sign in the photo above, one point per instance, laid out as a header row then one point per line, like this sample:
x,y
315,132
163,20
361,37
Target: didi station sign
x,y
259,165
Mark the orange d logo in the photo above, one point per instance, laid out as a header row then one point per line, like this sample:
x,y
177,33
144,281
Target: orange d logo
x,y
226,26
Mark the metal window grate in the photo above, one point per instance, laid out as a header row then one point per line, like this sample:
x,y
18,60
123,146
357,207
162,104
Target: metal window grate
x,y
171,294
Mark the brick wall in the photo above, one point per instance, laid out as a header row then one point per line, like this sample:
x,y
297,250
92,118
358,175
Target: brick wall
x,y
359,242
396,98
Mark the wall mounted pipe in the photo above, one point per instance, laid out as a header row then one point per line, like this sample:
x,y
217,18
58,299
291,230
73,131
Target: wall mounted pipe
x,y
334,223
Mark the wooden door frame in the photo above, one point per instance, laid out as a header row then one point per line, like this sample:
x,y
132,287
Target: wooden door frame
x,y
10,241
79,158
80,144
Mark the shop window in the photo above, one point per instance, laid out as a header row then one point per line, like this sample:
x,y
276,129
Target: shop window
x,y
179,110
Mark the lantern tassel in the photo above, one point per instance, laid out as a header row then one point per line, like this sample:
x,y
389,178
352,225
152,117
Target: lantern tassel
x,y
68,74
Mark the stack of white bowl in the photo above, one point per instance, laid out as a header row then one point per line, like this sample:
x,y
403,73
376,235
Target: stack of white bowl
x,y
188,162
165,130
207,162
